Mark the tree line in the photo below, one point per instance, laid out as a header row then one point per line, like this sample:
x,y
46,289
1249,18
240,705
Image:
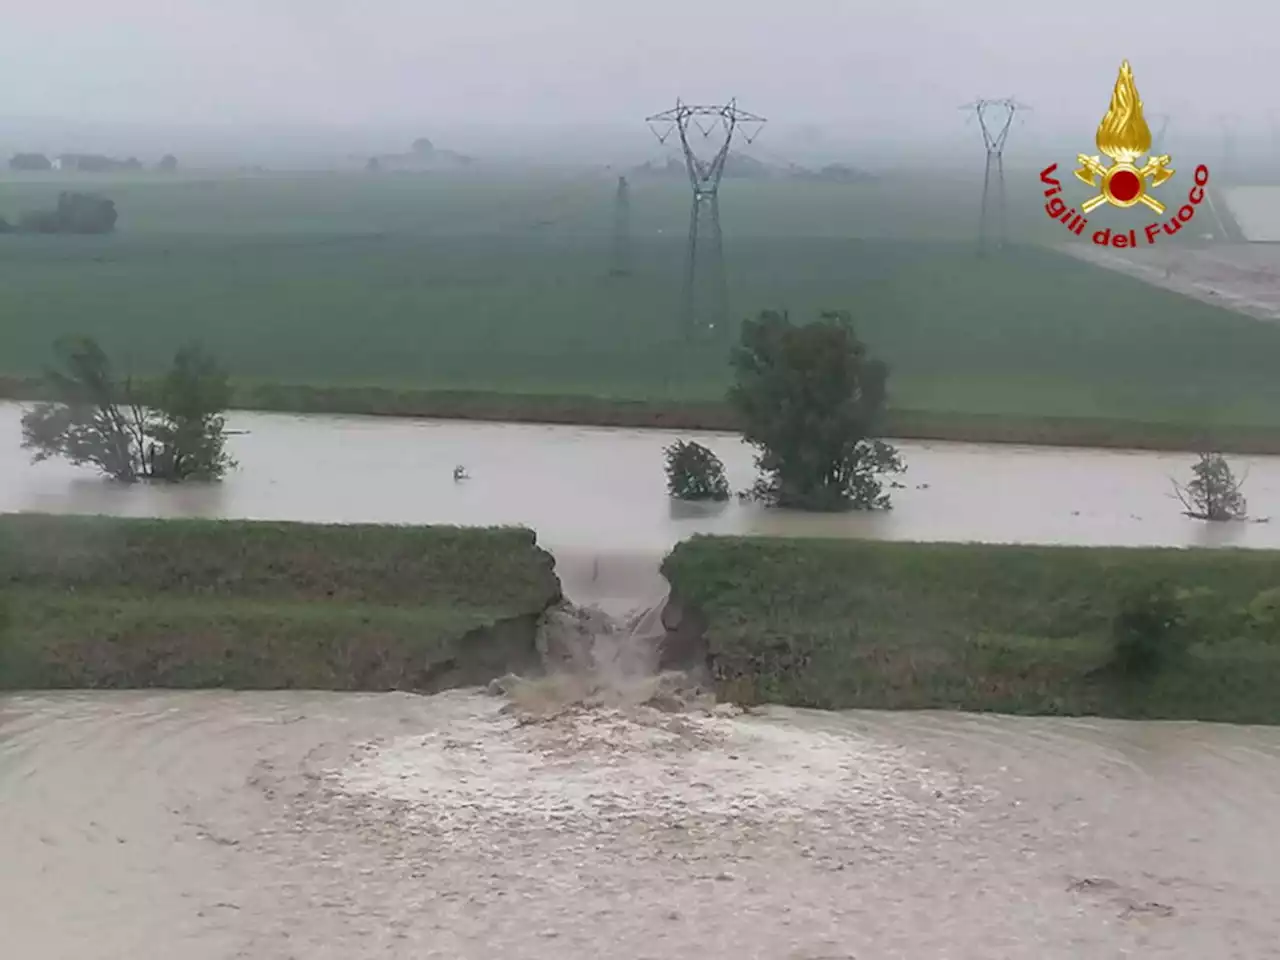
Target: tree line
x,y
76,213
84,163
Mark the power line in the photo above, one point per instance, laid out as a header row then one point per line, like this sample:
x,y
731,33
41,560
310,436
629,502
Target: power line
x,y
718,125
621,230
995,118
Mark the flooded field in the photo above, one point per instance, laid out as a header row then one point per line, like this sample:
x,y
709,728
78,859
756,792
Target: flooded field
x,y
273,826
290,825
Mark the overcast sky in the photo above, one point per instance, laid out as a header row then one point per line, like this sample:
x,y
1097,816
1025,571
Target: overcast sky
x,y
845,63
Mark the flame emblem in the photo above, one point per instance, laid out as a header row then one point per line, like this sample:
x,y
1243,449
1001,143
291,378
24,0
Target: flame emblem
x,y
1123,135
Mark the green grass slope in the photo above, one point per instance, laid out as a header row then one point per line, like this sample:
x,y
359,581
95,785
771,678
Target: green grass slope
x,y
408,287
100,602
840,624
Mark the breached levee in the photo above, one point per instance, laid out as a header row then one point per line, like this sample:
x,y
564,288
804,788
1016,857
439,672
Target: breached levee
x,y
592,658
603,734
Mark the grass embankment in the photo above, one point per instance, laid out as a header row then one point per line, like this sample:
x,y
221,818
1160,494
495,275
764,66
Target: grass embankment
x,y
466,297
841,624
99,602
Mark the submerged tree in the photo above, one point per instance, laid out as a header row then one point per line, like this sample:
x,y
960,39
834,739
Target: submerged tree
x,y
95,420
811,400
1213,492
694,472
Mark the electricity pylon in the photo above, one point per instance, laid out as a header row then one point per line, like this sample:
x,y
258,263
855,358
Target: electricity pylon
x,y
621,230
995,118
724,121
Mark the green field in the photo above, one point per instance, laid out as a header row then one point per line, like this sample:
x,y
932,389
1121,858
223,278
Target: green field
x,y
406,286
98,602
842,624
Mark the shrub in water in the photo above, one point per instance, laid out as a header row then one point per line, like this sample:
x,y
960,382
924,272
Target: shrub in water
x,y
1214,492
694,472
1149,627
811,401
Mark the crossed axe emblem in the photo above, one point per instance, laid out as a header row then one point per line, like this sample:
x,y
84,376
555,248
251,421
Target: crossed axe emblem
x,y
1131,181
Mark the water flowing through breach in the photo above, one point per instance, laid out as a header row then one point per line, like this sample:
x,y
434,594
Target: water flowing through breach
x,y
607,643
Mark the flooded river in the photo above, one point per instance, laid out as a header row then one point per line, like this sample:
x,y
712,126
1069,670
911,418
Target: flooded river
x,y
306,825
598,500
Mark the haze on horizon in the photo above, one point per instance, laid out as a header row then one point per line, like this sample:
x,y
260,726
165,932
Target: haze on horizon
x,y
897,71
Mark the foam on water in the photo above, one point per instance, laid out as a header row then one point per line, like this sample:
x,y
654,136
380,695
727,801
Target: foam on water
x,y
610,762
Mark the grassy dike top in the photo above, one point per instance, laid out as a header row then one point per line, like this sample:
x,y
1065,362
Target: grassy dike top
x,y
841,624
100,602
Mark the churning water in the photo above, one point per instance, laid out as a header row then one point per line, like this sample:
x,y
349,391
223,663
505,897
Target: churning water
x,y
310,825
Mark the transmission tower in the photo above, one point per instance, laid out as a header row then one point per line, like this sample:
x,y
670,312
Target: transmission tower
x,y
621,230
995,118
704,260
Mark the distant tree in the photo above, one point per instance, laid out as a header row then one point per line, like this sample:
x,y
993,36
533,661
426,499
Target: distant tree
x,y
1213,493
75,213
168,163
694,472
738,165
374,165
96,420
834,173
30,161
90,162
811,399
133,163
423,145
86,213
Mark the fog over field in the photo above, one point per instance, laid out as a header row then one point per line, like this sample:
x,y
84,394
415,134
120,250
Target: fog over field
x,y
306,82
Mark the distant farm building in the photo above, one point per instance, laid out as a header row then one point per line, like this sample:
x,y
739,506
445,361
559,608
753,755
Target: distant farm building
x,y
93,163
421,157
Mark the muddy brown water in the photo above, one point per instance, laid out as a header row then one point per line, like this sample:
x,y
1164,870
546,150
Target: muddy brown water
x,y
311,825
306,825
597,496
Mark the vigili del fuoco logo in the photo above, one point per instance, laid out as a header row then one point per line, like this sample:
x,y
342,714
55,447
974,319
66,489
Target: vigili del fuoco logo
x,y
1124,137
